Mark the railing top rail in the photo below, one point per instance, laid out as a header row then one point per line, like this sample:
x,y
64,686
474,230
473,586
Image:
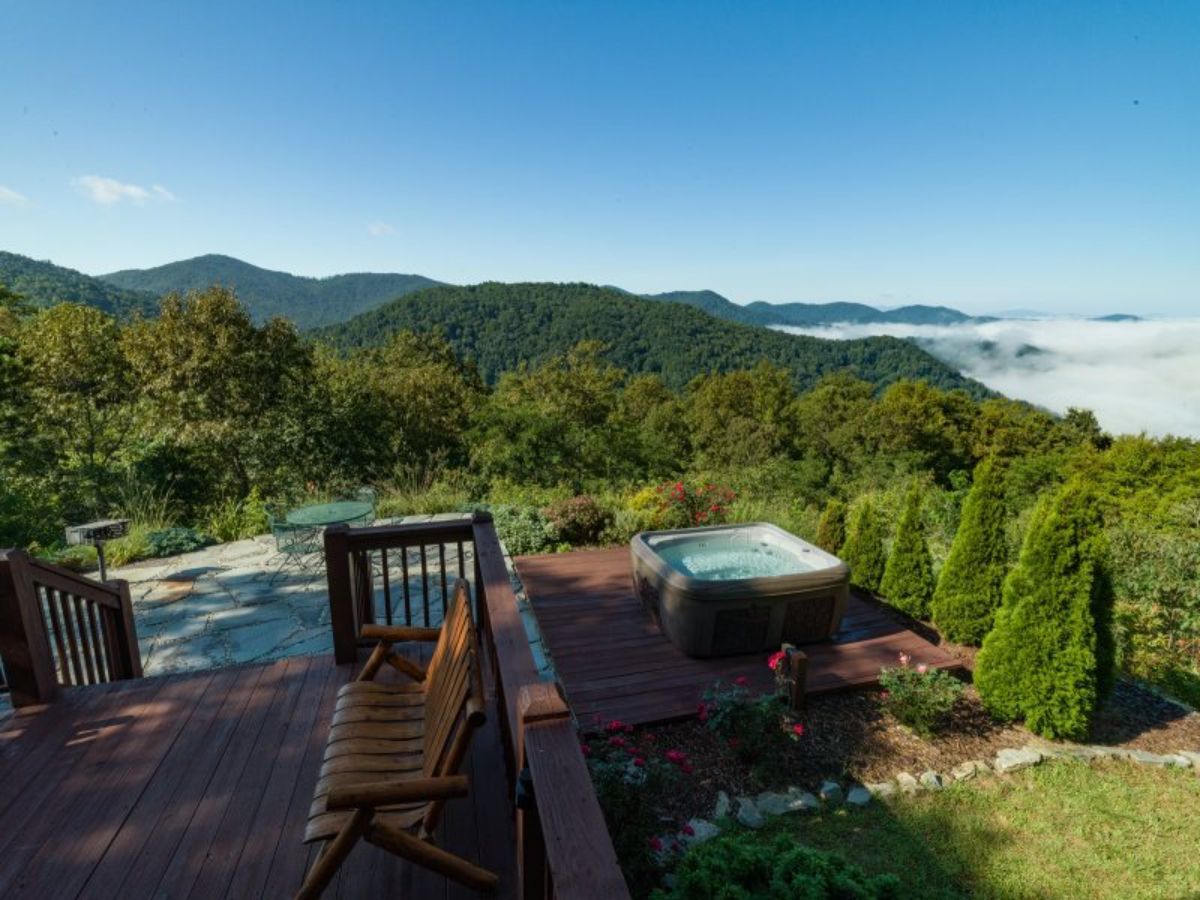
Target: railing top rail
x,y
60,579
374,537
515,666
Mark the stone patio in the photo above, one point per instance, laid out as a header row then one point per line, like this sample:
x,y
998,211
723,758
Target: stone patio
x,y
232,603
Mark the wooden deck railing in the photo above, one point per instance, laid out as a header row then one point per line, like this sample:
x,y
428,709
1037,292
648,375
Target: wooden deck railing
x,y
563,847
59,629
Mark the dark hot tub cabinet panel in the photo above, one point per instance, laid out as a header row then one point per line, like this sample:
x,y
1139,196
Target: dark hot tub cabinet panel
x,y
715,617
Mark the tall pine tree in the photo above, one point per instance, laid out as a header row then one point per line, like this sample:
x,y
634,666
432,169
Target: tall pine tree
x,y
863,551
908,577
970,587
1050,657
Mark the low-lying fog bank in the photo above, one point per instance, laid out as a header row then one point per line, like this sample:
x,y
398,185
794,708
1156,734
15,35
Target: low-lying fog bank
x,y
1136,376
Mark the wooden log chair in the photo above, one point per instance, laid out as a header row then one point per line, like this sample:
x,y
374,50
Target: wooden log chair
x,y
394,751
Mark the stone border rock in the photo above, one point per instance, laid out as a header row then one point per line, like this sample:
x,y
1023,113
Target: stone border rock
x,y
753,812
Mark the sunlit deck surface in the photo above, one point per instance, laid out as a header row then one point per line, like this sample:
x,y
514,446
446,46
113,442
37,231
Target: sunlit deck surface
x,y
615,663
198,785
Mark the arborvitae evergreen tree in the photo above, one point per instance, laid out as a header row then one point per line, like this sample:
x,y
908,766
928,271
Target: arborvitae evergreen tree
x,y
972,580
908,577
863,551
831,530
1050,657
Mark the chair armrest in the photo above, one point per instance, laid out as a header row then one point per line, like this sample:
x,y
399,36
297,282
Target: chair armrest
x,y
398,633
385,793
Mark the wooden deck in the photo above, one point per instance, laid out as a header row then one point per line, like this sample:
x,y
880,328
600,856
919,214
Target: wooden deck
x,y
199,785
615,663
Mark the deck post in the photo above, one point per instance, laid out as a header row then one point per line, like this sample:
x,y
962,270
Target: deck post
x,y
539,702
342,613
797,663
24,644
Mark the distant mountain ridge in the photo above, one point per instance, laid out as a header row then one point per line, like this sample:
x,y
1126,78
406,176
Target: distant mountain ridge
x,y
43,283
309,302
813,314
499,326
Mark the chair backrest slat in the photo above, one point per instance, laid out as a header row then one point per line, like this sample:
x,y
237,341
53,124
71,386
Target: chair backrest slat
x,y
452,680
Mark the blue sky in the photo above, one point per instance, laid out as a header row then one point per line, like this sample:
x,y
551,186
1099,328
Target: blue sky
x,y
984,156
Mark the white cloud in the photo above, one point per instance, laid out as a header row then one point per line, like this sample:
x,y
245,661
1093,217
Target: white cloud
x,y
380,229
108,191
1136,376
9,197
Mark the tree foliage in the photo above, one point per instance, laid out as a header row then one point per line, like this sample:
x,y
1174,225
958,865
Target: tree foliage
x,y
1049,658
971,583
908,577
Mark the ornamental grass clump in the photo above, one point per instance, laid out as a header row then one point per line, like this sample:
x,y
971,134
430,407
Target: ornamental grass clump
x,y
970,587
918,696
1049,659
863,551
908,577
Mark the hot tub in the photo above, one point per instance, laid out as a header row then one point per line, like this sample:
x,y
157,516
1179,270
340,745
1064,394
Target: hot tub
x,y
730,589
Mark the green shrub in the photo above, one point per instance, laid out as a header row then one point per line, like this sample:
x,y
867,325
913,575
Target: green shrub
x,y
579,520
970,586
173,541
525,530
919,696
1050,657
831,530
863,551
908,577
744,865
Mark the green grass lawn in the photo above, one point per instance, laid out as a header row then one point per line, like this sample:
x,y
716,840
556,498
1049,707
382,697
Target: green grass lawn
x,y
1063,829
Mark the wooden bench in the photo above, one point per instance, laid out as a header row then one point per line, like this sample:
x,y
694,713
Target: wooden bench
x,y
394,751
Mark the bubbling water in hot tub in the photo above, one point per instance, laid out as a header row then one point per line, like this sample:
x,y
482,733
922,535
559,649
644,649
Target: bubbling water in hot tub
x,y
731,555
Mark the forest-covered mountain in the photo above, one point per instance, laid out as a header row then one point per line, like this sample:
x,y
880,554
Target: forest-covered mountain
x,y
43,284
812,314
498,326
309,302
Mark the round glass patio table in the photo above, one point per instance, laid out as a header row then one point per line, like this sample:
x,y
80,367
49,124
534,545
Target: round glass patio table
x,y
329,513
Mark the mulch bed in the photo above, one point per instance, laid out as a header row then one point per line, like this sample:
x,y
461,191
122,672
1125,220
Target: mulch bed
x,y
848,736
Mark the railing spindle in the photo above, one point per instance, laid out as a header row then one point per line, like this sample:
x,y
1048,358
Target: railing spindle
x,y
425,584
442,566
408,619
87,651
72,643
387,587
99,650
56,631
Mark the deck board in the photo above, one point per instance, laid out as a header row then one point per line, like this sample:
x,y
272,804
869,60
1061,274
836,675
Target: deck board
x,y
199,785
615,663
